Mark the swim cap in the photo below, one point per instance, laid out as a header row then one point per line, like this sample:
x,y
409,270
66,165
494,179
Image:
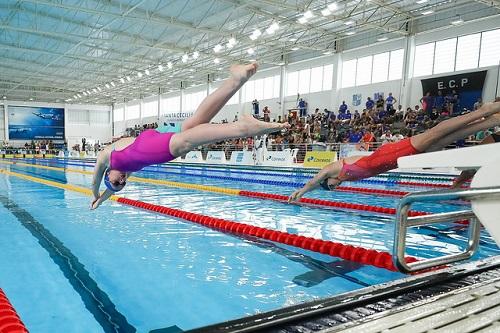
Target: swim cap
x,y
108,183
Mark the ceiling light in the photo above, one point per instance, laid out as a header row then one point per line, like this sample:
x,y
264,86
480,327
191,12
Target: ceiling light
x,y
350,33
74,96
309,14
107,85
122,80
457,21
196,54
84,93
427,12
216,60
5,97
326,12
147,72
272,28
94,90
112,83
295,48
217,48
255,34
185,58
281,63
422,1
169,65
350,22
292,39
31,99
232,41
128,78
333,6
250,51
327,52
78,95
382,38
229,45
160,68
139,74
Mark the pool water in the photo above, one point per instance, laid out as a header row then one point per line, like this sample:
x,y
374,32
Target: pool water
x,y
122,269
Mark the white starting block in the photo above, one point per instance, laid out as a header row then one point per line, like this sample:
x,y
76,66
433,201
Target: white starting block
x,y
484,195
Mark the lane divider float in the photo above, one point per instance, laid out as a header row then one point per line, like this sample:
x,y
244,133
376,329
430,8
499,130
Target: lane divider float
x,y
381,259
9,319
285,183
253,194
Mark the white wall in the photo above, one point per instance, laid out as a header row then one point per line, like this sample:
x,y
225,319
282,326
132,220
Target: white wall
x,y
369,90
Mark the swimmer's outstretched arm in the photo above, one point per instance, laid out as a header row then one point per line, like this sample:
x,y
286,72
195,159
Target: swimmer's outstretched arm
x,y
99,170
332,170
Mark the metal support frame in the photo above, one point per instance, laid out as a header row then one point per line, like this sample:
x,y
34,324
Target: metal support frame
x,y
403,222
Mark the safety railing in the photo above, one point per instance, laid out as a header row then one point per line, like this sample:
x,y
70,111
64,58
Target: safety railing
x,y
404,222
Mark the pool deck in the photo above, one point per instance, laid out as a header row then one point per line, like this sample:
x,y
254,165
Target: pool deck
x,y
463,298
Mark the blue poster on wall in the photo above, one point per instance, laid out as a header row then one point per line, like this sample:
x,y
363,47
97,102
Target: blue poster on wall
x,y
35,123
356,99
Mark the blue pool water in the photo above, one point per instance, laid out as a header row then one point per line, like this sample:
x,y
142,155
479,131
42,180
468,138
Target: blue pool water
x,y
68,269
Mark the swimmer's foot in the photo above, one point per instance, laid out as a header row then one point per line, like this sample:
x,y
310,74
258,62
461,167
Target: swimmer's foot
x,y
251,126
241,73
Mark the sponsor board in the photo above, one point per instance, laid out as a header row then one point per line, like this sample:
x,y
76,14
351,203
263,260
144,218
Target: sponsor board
x,y
278,158
242,157
193,157
319,159
216,157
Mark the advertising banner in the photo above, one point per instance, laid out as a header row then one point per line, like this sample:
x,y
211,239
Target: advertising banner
x,y
216,157
242,157
193,157
35,123
468,86
318,159
278,158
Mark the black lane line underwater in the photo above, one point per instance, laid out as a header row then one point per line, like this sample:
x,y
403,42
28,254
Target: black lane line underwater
x,y
96,300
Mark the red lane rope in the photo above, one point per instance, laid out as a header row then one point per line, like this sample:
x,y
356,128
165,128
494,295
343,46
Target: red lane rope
x,y
371,191
328,203
9,320
348,252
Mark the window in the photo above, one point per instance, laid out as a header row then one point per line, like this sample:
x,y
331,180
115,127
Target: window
x,y
304,80
396,64
467,52
424,59
249,91
118,113
78,116
349,73
444,56
380,67
193,100
150,108
364,71
292,83
327,77
316,79
132,111
170,105
490,48
259,89
276,86
269,87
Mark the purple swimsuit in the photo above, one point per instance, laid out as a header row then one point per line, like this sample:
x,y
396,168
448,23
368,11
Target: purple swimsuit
x,y
150,147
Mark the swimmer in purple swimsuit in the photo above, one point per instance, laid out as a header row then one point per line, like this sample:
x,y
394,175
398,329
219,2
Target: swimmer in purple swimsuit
x,y
116,162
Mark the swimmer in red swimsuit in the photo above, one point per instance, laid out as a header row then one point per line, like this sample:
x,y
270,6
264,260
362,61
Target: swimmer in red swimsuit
x,y
116,162
386,157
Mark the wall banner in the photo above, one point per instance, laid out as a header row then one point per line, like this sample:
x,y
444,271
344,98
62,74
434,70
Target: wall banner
x,y
35,123
468,86
318,159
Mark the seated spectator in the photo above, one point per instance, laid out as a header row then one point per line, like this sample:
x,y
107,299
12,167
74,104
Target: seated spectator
x,y
386,137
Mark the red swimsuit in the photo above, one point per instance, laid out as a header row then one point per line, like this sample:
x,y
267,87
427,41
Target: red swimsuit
x,y
383,159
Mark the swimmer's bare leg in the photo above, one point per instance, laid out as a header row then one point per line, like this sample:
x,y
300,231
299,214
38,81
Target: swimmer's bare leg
x,y
422,142
470,129
182,143
214,102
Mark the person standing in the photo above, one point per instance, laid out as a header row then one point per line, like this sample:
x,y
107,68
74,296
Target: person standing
x,y
389,103
439,101
427,103
255,108
302,105
369,104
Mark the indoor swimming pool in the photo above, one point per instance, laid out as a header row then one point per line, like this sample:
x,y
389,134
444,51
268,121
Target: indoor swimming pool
x,y
121,268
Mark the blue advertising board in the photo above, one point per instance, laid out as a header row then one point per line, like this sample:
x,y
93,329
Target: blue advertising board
x,y
35,123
